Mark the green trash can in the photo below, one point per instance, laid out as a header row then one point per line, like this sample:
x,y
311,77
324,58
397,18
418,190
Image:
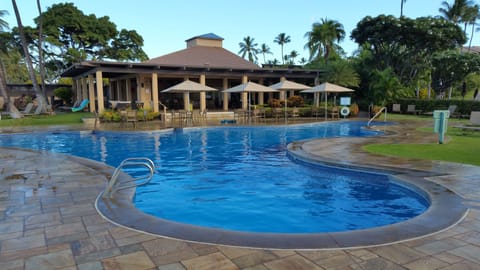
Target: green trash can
x,y
440,121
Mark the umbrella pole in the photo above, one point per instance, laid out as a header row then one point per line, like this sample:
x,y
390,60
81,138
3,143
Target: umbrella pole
x,y
326,110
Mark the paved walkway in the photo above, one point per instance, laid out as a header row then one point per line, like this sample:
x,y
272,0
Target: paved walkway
x,y
48,221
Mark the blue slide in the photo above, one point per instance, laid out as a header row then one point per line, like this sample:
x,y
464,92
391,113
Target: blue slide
x,y
81,107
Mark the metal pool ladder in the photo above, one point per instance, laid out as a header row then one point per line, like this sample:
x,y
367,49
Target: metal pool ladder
x,y
377,114
136,164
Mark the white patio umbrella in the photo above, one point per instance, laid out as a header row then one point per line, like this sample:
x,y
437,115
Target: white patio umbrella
x,y
327,88
187,87
287,85
249,87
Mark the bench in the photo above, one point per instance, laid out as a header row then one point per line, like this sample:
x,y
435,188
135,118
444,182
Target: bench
x,y
474,122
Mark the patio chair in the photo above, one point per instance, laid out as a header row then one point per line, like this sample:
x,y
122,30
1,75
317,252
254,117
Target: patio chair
x,y
334,113
411,109
396,108
317,111
295,113
131,117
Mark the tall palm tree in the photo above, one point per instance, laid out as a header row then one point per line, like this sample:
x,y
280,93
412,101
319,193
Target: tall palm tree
x,y
456,11
3,23
264,49
473,21
40,48
401,7
323,37
10,106
293,54
303,61
282,39
31,71
248,47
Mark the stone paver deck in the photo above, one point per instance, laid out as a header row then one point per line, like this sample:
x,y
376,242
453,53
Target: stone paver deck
x,y
48,220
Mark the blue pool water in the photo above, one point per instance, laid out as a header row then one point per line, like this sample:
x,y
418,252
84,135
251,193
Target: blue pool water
x,y
240,178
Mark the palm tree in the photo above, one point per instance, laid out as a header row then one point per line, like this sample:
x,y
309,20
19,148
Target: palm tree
x,y
293,54
10,106
303,61
3,23
282,39
455,12
473,21
340,72
323,37
40,97
248,47
401,7
264,49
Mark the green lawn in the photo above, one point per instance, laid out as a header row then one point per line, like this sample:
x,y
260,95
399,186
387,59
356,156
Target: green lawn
x,y
461,147
42,120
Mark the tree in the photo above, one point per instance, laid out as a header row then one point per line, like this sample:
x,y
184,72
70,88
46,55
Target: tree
x,y
401,7
40,97
3,23
281,40
248,48
293,54
264,49
3,78
456,11
340,72
303,61
451,67
384,87
70,36
323,37
40,48
405,45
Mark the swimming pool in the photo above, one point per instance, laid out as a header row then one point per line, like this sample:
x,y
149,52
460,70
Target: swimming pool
x,y
241,178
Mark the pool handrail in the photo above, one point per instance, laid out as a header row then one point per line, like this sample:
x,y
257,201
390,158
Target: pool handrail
x,y
114,185
377,114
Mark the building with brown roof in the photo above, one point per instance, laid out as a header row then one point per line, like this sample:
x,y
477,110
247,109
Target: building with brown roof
x,y
204,61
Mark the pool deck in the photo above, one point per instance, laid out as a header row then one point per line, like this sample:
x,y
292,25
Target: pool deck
x,y
49,220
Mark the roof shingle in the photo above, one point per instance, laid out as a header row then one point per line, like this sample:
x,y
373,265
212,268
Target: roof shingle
x,y
203,56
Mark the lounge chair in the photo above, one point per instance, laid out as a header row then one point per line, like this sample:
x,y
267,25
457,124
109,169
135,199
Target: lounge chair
x,y
28,109
81,107
474,122
451,110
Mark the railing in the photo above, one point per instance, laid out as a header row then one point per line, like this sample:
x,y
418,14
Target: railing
x,y
132,163
377,114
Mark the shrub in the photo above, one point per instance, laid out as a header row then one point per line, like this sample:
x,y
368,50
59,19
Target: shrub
x,y
64,93
274,103
295,101
354,109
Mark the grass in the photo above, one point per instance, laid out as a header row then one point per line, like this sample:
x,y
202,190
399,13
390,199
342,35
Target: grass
x,y
43,120
461,146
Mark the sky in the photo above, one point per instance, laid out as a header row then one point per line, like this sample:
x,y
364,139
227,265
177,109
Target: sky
x,y
165,25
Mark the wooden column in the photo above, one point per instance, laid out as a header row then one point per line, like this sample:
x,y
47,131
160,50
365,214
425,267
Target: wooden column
x,y
261,96
203,97
226,96
128,87
91,93
99,79
84,89
283,94
244,94
155,91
